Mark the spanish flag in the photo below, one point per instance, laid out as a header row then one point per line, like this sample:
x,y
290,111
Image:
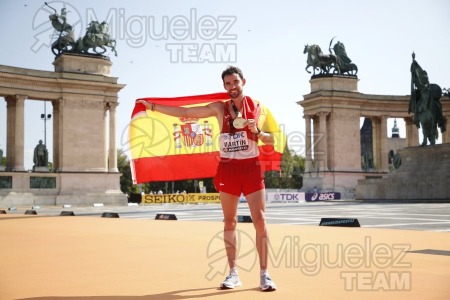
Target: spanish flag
x,y
166,148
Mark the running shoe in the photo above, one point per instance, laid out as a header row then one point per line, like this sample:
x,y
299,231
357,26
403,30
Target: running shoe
x,y
231,281
266,284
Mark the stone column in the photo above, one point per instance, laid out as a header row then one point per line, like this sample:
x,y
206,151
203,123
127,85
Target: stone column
x,y
112,138
10,132
380,143
56,134
106,135
384,151
15,132
322,142
376,143
308,149
412,135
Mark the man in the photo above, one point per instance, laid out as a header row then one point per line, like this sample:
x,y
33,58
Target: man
x,y
239,170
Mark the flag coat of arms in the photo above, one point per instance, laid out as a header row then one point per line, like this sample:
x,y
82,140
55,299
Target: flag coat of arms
x,y
166,148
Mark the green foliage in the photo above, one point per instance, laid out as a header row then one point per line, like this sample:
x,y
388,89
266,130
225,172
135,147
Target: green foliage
x,y
291,175
126,182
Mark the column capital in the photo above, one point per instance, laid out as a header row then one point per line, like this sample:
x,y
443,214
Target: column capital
x,y
111,104
323,113
21,97
15,98
408,120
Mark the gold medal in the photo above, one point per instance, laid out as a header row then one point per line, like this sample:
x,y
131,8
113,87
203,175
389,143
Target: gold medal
x,y
239,122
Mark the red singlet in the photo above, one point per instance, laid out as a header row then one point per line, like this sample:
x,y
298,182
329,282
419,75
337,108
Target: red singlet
x,y
239,170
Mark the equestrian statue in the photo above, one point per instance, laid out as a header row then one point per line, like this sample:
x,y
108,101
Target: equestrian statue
x,y
97,36
425,103
334,63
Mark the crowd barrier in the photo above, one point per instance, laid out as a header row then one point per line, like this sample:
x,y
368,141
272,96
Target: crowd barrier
x,y
286,197
283,197
181,198
322,196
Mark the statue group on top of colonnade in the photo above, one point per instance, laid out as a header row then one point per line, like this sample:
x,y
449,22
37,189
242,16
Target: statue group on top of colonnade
x,y
334,63
97,36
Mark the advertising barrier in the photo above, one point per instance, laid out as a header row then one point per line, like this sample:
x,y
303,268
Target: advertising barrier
x,y
293,197
180,198
309,197
281,197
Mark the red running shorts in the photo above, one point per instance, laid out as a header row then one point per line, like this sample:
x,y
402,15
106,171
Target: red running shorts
x,y
236,176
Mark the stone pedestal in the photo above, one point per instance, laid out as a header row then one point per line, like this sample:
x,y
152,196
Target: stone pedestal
x,y
67,188
86,64
334,83
424,174
41,169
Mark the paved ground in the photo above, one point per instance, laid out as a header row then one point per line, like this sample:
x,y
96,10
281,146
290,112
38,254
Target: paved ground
x,y
411,216
136,257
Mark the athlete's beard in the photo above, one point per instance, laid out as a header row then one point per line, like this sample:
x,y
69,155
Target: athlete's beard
x,y
235,94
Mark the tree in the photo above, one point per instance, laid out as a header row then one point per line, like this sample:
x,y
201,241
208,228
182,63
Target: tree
x,y
126,181
291,174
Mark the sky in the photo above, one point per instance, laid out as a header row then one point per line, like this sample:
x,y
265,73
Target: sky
x,y
264,38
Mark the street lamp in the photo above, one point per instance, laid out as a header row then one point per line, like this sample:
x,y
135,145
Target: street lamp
x,y
45,117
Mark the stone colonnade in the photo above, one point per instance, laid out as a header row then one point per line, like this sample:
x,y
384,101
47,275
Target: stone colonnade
x,y
332,114
74,160
84,98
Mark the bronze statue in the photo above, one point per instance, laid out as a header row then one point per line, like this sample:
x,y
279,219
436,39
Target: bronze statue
x,y
318,60
337,63
425,103
97,36
394,159
66,39
344,63
40,157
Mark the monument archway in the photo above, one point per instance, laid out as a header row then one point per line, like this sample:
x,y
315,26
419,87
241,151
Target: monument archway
x,y
332,114
84,98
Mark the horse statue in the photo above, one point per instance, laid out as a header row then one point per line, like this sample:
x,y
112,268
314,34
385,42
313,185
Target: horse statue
x,y
96,36
425,103
64,43
65,40
344,63
318,60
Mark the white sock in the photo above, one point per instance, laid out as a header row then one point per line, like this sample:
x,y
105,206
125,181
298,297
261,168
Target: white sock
x,y
264,272
234,270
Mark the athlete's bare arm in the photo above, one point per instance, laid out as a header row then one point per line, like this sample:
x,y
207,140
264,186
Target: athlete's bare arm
x,y
214,109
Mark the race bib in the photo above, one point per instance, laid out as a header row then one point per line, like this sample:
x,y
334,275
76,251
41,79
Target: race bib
x,y
237,145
